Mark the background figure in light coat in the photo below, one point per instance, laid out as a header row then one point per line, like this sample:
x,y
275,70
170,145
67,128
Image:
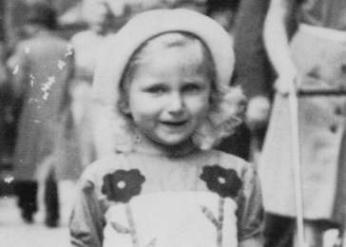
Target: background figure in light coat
x,y
315,58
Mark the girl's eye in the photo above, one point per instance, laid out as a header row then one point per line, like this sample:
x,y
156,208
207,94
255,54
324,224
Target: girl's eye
x,y
157,90
192,88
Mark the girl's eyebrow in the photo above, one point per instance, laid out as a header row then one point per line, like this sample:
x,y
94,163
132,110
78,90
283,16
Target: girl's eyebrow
x,y
152,84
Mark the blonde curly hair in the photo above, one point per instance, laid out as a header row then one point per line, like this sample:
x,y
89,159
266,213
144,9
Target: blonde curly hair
x,y
122,54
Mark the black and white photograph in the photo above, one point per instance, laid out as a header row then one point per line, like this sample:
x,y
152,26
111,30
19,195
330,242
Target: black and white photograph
x,y
173,123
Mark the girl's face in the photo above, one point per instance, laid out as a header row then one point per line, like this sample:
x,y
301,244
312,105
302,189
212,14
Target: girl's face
x,y
168,97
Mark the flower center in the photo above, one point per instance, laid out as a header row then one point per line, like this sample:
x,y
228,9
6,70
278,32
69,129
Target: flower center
x,y
121,184
221,180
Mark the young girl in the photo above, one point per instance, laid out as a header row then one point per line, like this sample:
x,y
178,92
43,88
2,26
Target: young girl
x,y
163,81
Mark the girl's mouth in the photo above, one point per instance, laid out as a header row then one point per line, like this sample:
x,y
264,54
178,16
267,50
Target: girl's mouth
x,y
174,123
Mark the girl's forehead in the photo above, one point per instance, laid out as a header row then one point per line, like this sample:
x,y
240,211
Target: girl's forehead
x,y
183,60
173,53
187,54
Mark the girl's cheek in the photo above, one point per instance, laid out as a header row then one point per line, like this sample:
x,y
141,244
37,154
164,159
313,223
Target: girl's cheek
x,y
203,106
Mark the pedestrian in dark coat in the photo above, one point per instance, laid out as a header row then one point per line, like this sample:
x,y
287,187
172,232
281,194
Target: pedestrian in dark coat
x,y
253,73
41,67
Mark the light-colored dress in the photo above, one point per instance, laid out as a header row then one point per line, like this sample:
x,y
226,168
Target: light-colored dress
x,y
86,45
75,147
319,51
204,198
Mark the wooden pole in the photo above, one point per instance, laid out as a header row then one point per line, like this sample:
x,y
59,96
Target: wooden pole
x,y
293,108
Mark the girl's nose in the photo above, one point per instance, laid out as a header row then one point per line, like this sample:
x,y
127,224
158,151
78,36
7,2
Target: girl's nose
x,y
175,103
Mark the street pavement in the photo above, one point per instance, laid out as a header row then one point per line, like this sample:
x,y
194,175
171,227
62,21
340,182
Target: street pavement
x,y
15,233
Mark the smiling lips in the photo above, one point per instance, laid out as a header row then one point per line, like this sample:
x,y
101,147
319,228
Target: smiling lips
x,y
174,123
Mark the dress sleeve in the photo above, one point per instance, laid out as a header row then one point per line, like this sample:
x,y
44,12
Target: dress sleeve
x,y
87,220
250,208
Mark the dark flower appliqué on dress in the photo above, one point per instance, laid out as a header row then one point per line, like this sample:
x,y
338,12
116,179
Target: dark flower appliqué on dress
x,y
122,185
224,182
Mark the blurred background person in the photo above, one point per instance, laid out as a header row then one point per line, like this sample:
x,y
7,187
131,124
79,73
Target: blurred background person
x,y
100,18
225,13
244,21
74,146
253,71
314,58
41,68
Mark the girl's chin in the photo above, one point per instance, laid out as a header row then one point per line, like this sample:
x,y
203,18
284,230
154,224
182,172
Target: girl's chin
x,y
174,141
169,145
